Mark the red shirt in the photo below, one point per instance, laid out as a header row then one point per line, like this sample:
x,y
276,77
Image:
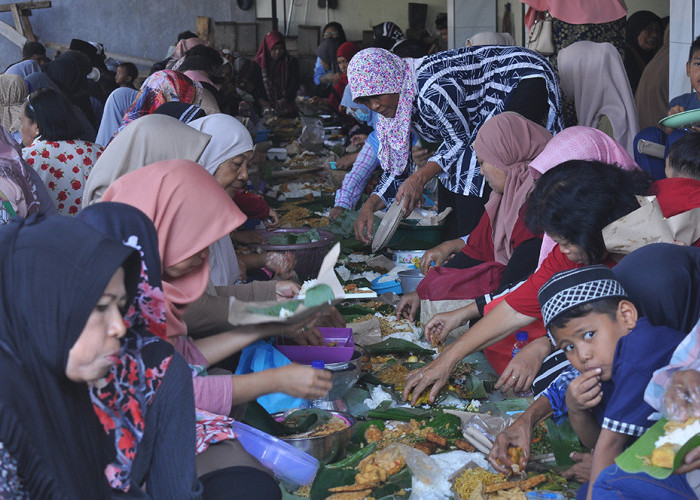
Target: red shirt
x,y
480,242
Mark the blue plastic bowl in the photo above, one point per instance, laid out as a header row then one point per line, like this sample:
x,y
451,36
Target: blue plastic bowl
x,y
389,286
288,463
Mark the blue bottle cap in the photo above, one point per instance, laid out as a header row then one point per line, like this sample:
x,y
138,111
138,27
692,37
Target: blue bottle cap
x,y
521,336
318,364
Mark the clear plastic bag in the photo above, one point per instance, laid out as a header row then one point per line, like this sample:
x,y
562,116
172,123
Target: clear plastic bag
x,y
682,396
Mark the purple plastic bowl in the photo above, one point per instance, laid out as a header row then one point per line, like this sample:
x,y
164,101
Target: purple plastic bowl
x,y
341,353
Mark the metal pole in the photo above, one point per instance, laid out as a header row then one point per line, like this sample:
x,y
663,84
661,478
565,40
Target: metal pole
x,y
289,23
274,13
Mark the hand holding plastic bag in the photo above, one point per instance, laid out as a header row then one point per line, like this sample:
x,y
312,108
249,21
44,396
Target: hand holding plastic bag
x,y
682,396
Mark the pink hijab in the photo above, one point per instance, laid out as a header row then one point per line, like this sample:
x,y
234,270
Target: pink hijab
x,y
377,71
509,142
163,191
578,143
581,11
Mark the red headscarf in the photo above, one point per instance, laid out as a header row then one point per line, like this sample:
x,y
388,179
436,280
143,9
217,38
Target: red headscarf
x,y
274,73
347,51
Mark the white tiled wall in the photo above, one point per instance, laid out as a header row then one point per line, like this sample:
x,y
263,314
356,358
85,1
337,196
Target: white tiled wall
x,y
470,17
685,24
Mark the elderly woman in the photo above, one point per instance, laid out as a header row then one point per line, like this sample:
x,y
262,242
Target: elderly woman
x,y
445,98
50,133
223,148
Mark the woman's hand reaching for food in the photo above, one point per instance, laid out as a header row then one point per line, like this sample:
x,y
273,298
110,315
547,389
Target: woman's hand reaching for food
x,y
408,306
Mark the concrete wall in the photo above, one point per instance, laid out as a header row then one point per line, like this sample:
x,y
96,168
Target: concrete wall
x,y
132,27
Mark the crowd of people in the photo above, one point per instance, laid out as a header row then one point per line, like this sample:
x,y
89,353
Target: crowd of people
x,y
122,205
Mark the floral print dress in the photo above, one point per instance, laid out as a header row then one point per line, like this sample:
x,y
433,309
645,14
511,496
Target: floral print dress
x,y
64,167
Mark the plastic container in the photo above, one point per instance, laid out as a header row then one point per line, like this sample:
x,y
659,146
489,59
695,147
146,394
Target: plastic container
x,y
410,279
408,257
544,495
288,463
388,286
279,154
340,353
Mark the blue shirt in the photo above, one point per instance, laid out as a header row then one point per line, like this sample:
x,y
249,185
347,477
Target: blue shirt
x,y
688,101
637,355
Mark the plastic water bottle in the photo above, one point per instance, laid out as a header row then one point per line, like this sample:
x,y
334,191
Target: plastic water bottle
x,y
521,340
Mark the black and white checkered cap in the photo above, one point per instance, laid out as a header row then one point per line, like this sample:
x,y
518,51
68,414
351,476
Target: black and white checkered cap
x,y
568,289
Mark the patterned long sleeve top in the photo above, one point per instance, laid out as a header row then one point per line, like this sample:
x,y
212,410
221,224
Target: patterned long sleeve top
x,y
459,90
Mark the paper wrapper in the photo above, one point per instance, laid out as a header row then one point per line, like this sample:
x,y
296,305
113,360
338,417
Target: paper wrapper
x,y
647,225
247,313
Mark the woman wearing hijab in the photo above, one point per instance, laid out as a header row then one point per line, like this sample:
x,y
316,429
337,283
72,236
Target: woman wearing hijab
x,y
501,250
13,93
161,87
497,319
644,38
386,35
343,57
157,138
490,38
652,92
445,98
53,351
117,103
70,73
280,75
326,69
163,192
21,190
593,76
54,150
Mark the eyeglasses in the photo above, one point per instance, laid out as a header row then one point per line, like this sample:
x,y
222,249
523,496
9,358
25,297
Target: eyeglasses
x,y
330,34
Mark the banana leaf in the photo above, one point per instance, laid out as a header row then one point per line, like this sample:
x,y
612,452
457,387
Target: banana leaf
x,y
404,414
394,346
274,311
330,477
394,484
320,294
564,440
355,458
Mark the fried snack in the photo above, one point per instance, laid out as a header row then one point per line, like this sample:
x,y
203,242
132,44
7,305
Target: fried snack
x,y
437,440
394,375
464,446
351,495
373,434
528,484
494,487
664,455
426,447
353,488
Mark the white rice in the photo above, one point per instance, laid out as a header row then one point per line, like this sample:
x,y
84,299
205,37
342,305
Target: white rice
x,y
679,436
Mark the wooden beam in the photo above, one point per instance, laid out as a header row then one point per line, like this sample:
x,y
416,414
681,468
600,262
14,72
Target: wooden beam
x,y
11,34
140,61
17,18
6,7
28,31
203,27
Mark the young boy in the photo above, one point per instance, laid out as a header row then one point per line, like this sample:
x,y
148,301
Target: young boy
x,y
127,73
591,319
683,102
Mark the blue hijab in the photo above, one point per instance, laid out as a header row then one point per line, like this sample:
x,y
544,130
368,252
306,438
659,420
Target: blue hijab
x,y
116,106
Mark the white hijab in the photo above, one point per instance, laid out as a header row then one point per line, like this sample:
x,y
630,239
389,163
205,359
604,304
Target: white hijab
x,y
229,138
593,75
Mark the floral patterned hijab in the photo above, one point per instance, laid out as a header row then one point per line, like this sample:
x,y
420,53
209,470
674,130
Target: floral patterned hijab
x,y
377,71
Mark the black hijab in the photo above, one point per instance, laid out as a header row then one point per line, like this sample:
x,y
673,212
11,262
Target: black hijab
x,y
637,58
69,72
663,281
54,270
